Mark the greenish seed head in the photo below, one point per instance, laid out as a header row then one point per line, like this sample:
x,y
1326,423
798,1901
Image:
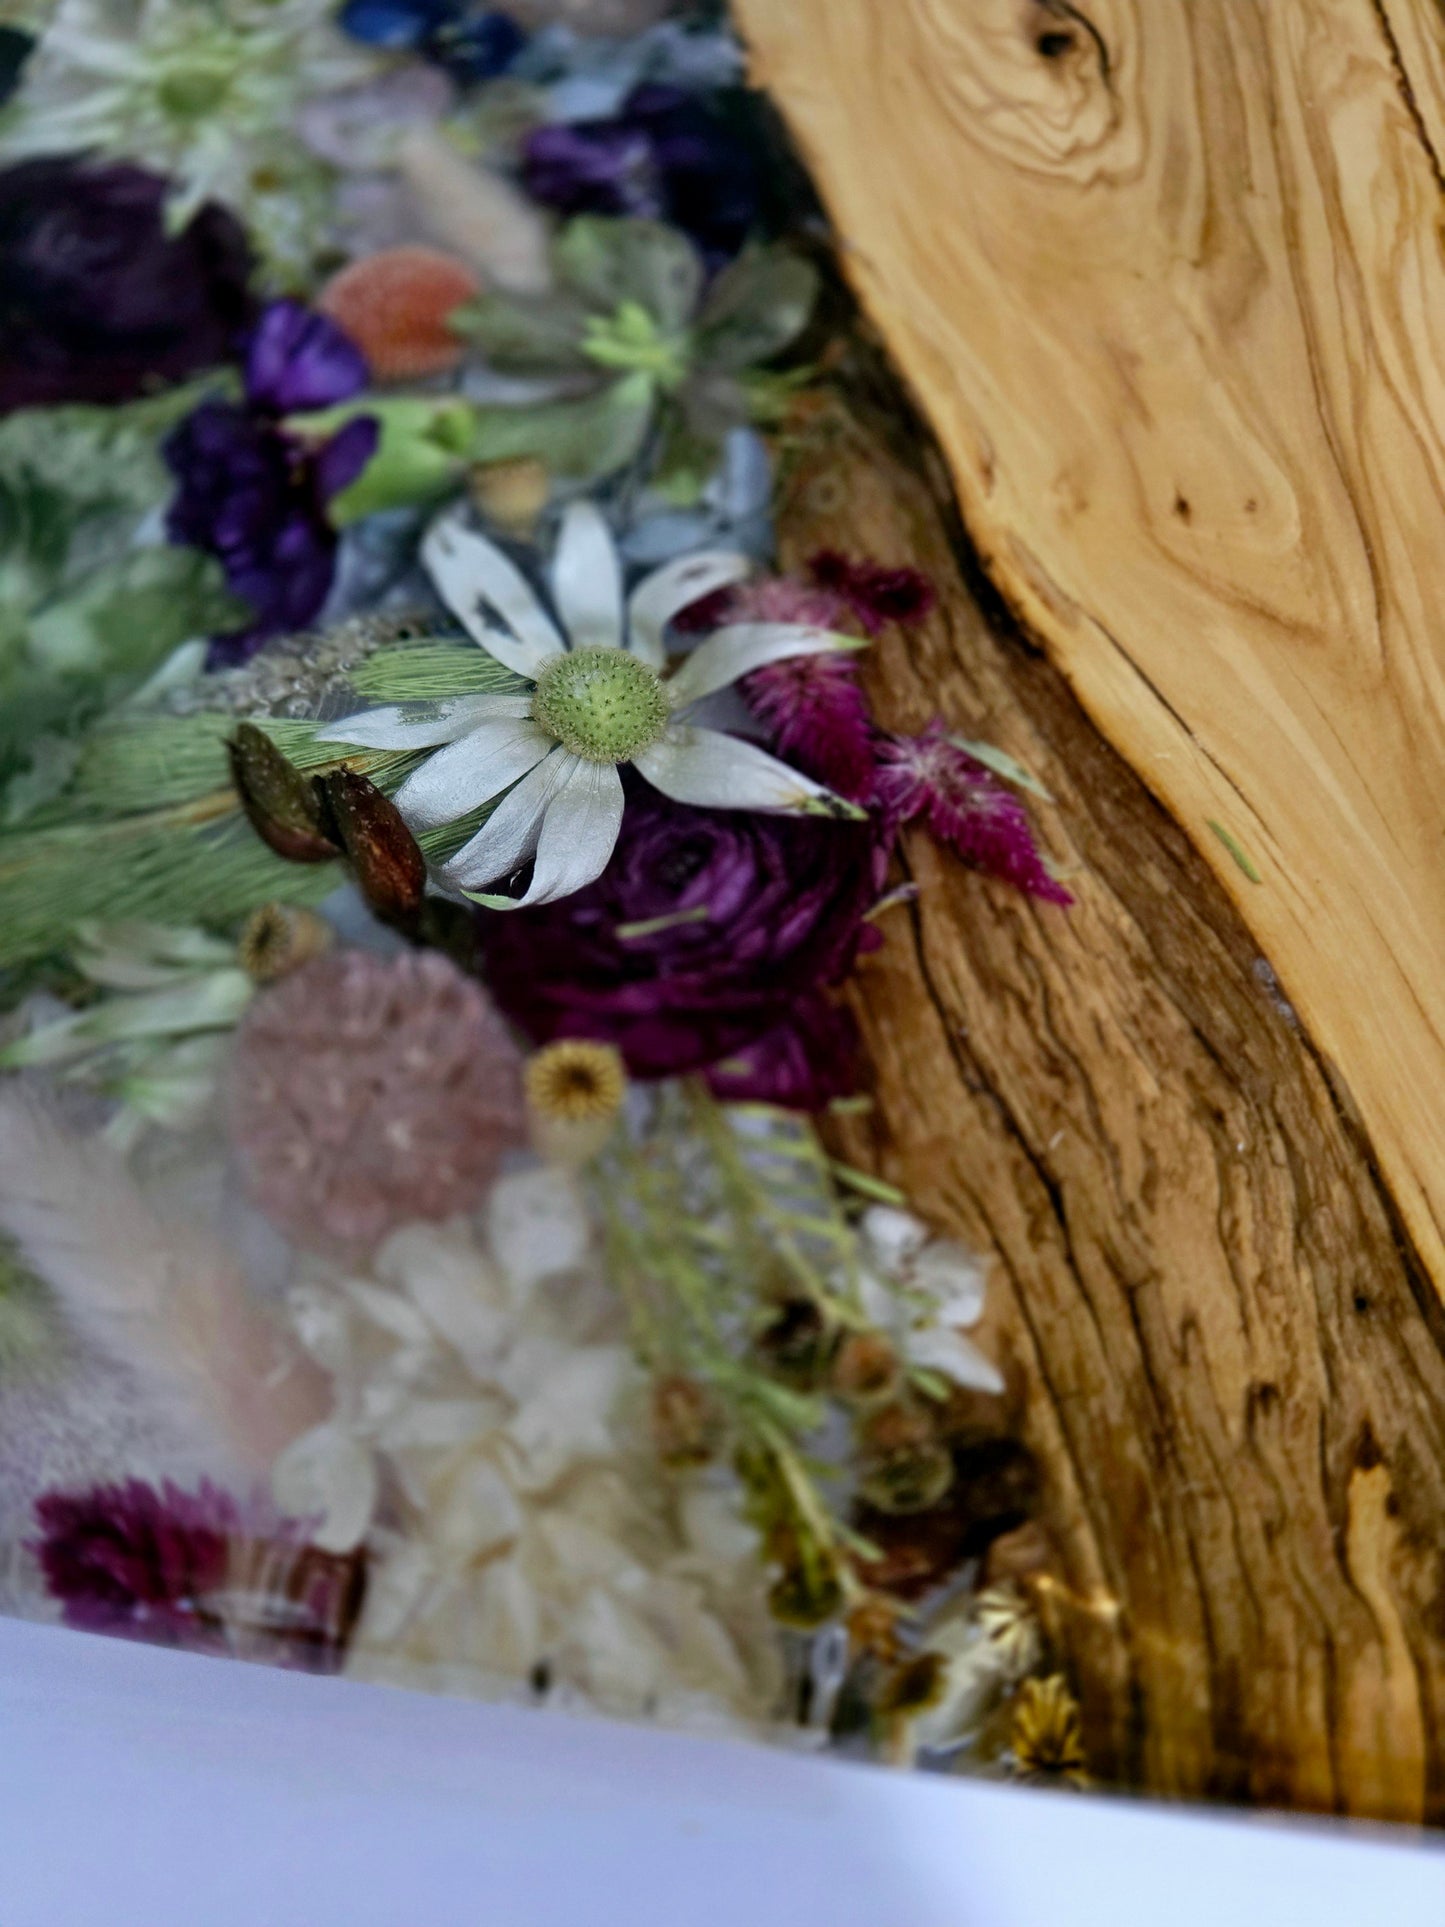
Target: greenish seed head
x,y
602,704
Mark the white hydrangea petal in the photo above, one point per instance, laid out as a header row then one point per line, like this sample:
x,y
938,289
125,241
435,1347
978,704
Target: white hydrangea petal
x,y
395,1587
328,1476
392,1312
704,767
437,1424
676,586
479,1515
509,835
473,577
422,725
587,579
743,647
456,1289
471,770
878,1298
566,1419
537,1224
942,1349
578,835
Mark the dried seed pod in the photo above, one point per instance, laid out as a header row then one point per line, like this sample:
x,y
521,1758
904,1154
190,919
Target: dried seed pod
x,y
389,865
865,1368
280,803
797,1343
279,937
512,493
873,1627
807,1595
686,1423
903,1465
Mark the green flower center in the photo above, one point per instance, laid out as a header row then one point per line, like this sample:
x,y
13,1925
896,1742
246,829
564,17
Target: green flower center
x,y
196,84
601,703
631,341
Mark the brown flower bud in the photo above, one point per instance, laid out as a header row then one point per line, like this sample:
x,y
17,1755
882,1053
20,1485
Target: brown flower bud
x,y
686,1424
280,803
280,937
913,1687
512,493
865,1368
873,1627
390,868
807,1594
903,1465
796,1342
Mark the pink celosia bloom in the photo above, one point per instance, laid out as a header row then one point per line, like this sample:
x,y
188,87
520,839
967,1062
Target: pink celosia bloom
x,y
769,598
874,593
370,1091
965,806
819,719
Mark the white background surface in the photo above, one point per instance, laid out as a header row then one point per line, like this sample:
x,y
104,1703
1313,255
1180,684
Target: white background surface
x,y
151,1789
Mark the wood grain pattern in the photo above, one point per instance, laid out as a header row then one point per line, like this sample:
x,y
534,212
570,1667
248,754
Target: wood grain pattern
x,y
1224,1355
1169,281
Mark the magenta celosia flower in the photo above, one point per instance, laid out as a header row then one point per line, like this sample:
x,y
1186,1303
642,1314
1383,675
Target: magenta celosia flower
x,y
367,1092
818,717
965,806
195,1570
873,592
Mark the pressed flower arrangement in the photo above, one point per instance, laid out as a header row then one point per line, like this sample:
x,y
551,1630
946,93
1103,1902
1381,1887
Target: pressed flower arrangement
x,y
436,840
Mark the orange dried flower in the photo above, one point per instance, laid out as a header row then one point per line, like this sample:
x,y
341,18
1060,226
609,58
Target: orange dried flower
x,y
395,304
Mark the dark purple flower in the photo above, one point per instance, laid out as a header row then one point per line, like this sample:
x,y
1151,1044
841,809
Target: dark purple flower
x,y
965,806
801,1064
253,493
256,498
666,154
97,302
875,593
819,719
708,930
195,1570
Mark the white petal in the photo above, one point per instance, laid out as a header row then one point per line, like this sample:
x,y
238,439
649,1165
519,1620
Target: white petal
x,y
676,586
422,725
470,771
746,646
944,1350
472,576
704,767
537,1223
567,1419
579,834
952,1279
509,835
895,1236
480,1514
587,580
327,1475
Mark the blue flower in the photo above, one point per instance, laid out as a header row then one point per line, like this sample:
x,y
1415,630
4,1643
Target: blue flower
x,y
666,155
255,494
470,43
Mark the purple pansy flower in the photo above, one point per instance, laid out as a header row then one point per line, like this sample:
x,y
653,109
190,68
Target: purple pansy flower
x,y
255,494
709,940
98,303
665,154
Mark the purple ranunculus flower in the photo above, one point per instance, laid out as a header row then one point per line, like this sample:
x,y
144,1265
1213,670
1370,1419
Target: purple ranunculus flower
x,y
666,154
253,493
709,940
98,303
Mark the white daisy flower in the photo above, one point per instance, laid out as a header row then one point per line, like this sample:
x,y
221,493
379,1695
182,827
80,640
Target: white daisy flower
x,y
599,694
924,1291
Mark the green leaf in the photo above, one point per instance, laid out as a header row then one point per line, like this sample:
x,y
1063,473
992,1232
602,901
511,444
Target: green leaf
x,y
610,261
755,308
587,438
526,335
1002,764
418,455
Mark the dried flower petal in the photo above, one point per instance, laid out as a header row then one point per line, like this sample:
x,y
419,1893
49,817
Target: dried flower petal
x,y
965,806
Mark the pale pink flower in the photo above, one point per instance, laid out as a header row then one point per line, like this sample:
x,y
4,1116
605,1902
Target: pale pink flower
x,y
367,1092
